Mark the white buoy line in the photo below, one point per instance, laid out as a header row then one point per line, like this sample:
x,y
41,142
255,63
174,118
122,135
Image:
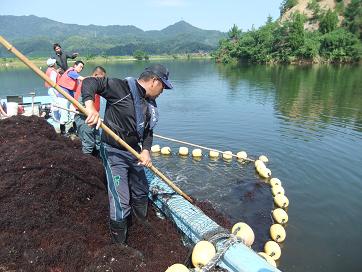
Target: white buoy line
x,y
204,251
213,153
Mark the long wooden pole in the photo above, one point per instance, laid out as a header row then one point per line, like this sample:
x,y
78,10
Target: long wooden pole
x,y
83,110
195,145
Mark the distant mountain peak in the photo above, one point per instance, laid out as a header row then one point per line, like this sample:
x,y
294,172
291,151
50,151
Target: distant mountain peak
x,y
180,26
183,23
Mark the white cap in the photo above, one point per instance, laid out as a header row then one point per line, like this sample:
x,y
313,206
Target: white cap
x,y
51,62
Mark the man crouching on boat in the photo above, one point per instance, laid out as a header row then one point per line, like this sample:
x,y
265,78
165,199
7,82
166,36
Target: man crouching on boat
x,y
131,112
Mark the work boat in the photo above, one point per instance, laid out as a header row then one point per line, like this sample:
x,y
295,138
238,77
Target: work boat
x,y
232,253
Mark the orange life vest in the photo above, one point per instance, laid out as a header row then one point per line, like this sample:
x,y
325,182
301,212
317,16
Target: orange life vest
x,y
97,98
68,82
48,73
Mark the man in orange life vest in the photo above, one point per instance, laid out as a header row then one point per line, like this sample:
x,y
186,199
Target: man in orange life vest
x,y
69,82
54,75
89,135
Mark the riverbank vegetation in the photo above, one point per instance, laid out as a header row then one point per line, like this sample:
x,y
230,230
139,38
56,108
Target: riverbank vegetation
x,y
320,36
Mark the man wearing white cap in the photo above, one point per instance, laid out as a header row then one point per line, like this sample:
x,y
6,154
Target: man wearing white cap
x,y
59,114
53,74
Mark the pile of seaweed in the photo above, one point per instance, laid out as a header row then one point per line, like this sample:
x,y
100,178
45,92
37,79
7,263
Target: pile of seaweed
x,y
54,209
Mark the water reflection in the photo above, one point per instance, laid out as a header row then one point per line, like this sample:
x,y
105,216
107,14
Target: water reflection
x,y
314,95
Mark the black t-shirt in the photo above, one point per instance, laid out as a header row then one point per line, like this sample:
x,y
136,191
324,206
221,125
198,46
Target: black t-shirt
x,y
120,112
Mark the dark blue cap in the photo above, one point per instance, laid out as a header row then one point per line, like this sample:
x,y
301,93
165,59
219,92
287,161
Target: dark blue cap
x,y
162,72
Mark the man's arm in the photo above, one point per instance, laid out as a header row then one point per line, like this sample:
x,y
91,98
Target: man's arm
x,y
146,147
71,56
75,75
90,87
53,76
147,142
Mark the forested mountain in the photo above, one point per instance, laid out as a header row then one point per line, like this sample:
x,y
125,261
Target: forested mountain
x,y
34,36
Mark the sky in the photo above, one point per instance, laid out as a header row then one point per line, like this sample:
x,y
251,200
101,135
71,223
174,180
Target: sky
x,y
149,14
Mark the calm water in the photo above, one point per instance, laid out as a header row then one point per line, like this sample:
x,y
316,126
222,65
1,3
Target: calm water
x,y
307,120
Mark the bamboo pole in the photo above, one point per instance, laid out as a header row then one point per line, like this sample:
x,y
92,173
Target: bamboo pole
x,y
195,145
83,110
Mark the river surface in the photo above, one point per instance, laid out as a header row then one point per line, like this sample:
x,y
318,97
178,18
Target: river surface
x,y
307,120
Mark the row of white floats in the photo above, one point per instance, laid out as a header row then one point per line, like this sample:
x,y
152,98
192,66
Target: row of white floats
x,y
277,231
272,250
197,153
204,251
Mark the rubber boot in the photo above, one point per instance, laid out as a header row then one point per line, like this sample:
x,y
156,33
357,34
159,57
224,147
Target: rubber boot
x,y
62,130
119,230
73,129
140,207
95,153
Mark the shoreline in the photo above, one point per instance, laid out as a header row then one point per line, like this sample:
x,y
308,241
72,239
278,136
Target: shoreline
x,y
41,61
15,63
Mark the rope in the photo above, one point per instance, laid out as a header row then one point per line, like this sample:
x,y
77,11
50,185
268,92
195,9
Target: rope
x,y
73,111
199,146
231,239
172,140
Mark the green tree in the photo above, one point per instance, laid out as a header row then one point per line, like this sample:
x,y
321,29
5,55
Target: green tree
x,y
296,31
286,5
138,54
289,42
311,46
328,22
340,46
234,33
315,8
353,17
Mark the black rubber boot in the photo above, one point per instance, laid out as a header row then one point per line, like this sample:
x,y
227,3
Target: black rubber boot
x,y
95,153
140,207
73,129
62,129
119,230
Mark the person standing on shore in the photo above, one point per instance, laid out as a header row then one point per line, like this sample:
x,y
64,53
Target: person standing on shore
x,y
62,57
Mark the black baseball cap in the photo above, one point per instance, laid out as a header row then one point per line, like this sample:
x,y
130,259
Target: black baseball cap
x,y
162,72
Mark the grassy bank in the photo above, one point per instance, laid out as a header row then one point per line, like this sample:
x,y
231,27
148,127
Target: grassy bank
x,y
41,61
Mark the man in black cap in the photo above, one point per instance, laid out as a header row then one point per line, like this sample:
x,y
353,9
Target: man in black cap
x,y
131,112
